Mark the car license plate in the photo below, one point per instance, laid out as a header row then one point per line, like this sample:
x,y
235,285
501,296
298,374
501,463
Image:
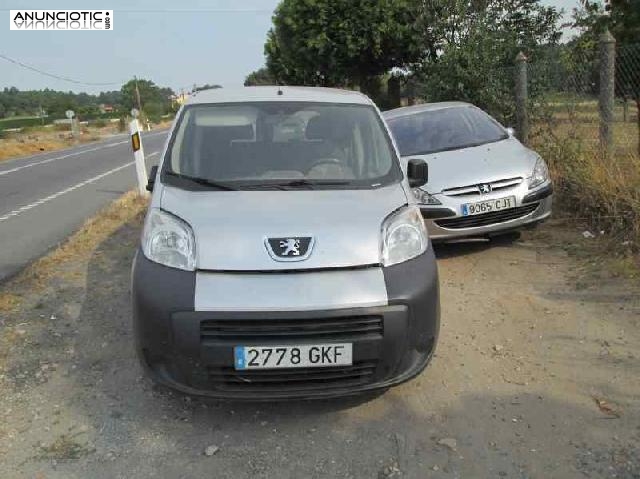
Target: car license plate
x,y
470,209
302,356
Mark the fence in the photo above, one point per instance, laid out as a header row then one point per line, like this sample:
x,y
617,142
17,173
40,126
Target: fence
x,y
587,94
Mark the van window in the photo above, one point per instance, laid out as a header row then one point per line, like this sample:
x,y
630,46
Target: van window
x,y
267,143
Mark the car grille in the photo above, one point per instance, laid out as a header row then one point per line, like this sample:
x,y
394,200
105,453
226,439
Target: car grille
x,y
243,331
486,219
292,380
474,190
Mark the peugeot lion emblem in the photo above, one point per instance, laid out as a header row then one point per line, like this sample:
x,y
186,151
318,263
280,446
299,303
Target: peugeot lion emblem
x,y
484,188
295,248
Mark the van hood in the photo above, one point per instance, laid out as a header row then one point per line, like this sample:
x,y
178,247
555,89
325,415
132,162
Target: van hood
x,y
231,227
479,164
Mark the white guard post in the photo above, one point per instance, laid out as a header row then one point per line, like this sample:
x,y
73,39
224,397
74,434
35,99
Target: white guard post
x,y
138,154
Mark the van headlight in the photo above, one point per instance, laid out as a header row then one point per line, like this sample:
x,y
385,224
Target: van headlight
x,y
404,236
168,240
540,174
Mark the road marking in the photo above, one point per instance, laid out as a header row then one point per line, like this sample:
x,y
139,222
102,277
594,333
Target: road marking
x,y
49,160
42,201
75,153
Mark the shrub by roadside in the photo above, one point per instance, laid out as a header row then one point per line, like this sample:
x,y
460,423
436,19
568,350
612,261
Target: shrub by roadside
x,y
601,193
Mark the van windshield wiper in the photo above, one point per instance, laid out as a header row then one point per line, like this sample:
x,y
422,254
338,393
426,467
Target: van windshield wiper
x,y
200,181
306,183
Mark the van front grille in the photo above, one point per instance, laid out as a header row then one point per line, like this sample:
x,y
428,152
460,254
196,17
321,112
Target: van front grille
x,y
243,331
292,380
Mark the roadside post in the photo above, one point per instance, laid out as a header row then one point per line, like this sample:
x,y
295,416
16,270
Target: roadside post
x,y
138,152
73,122
606,98
522,114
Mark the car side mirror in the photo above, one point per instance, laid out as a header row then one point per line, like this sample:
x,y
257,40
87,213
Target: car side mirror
x,y
511,132
152,178
417,172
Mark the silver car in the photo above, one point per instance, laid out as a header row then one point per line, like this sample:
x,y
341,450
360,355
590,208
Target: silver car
x,y
482,182
283,254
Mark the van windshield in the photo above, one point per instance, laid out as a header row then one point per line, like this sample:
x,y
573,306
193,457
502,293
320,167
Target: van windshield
x,y
283,145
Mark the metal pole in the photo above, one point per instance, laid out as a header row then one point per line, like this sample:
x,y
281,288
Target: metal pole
x,y
522,115
607,90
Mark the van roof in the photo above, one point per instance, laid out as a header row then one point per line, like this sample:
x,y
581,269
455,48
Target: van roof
x,y
270,93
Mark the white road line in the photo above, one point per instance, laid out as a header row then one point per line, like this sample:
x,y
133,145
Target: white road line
x,y
41,201
49,160
75,153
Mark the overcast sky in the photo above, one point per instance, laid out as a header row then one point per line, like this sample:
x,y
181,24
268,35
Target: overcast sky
x,y
175,44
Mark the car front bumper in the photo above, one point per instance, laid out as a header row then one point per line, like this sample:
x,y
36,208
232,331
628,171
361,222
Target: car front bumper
x,y
175,351
446,222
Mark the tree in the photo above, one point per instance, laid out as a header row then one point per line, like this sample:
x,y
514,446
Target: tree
x,y
206,86
261,76
149,93
338,42
478,42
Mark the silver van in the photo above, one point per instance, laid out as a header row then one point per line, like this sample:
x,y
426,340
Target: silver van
x,y
283,255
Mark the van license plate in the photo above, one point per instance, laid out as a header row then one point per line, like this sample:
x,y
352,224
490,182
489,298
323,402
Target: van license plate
x,y
302,356
488,206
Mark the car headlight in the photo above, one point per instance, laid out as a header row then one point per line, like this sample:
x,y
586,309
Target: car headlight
x,y
404,236
168,240
540,174
425,198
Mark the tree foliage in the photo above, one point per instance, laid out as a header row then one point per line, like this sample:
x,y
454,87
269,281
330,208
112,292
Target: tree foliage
x,y
337,42
262,76
478,43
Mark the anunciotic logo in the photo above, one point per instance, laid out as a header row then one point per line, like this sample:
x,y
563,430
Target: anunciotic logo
x,y
61,20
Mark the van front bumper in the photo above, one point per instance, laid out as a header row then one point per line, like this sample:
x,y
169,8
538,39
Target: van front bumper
x,y
192,351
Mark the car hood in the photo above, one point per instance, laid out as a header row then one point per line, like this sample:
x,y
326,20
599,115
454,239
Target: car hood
x,y
478,164
230,227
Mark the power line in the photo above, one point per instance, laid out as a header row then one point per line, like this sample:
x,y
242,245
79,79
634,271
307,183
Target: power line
x,y
52,75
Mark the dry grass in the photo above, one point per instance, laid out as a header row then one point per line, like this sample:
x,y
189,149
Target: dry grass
x,y
602,193
81,244
65,447
8,302
40,139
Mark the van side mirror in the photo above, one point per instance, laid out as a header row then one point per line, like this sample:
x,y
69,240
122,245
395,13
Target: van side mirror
x,y
511,132
152,178
417,172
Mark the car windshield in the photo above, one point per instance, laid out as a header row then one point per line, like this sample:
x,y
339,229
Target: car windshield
x,y
280,145
444,129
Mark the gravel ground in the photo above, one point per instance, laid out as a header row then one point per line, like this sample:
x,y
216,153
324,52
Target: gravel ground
x,y
536,376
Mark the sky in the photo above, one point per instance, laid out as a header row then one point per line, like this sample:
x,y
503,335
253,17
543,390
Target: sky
x,y
173,43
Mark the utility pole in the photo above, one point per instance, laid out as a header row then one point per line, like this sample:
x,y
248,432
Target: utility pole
x,y
135,78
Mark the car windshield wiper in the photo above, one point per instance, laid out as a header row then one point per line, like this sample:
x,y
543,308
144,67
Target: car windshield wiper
x,y
200,181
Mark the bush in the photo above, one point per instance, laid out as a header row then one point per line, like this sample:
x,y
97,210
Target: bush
x,y
9,123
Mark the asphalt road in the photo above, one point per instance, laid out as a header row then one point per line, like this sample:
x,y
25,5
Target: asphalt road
x,y
46,197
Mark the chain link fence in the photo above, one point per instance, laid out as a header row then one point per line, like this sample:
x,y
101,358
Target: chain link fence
x,y
565,97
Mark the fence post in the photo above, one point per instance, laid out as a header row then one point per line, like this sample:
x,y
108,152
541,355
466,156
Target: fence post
x,y
607,92
522,115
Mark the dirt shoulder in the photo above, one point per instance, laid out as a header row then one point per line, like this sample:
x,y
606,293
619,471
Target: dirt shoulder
x,y
536,376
